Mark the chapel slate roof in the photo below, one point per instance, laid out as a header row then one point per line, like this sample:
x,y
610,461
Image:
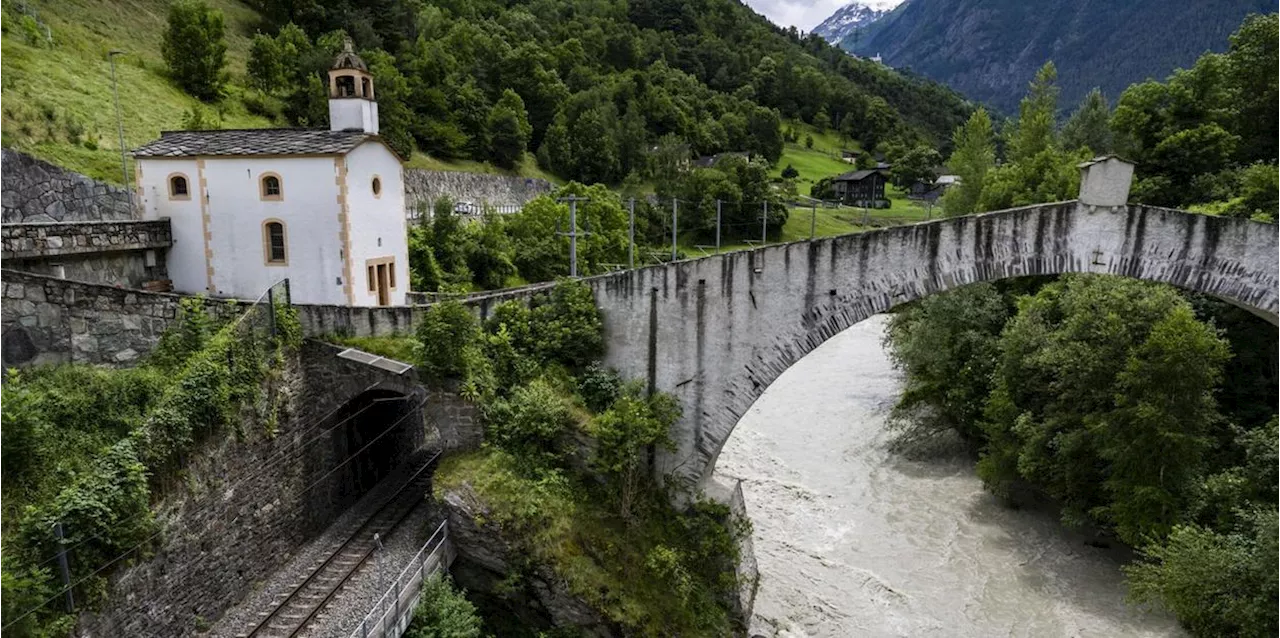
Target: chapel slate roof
x,y
263,141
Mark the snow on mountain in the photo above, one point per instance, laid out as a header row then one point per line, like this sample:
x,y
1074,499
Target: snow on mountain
x,y
855,15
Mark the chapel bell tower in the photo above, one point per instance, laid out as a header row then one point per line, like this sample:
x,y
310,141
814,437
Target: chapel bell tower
x,y
351,102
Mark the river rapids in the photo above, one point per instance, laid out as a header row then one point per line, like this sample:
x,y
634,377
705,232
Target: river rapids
x,y
855,540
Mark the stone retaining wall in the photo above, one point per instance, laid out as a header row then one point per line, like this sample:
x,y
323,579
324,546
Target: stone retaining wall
x,y
50,320
53,239
422,186
33,190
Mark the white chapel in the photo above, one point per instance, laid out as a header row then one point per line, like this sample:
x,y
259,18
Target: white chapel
x,y
321,207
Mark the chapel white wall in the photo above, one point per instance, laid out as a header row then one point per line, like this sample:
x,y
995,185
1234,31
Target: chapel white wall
x,y
185,259
309,210
378,227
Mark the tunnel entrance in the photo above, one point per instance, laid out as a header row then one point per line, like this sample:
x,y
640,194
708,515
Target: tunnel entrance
x,y
369,438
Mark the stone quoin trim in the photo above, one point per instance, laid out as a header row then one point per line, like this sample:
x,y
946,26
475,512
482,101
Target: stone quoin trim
x,y
205,222
344,227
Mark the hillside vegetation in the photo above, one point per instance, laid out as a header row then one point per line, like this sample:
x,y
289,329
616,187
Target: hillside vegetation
x,y
593,85
990,49
57,79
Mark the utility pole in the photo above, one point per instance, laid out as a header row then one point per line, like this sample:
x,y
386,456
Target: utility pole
x,y
675,206
717,227
124,164
573,230
631,236
764,224
813,220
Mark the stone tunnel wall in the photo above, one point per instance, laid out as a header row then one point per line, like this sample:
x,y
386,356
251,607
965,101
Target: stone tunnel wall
x,y
33,190
247,501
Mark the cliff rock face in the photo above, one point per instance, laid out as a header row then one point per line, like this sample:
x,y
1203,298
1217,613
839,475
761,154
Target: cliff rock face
x,y
487,563
990,49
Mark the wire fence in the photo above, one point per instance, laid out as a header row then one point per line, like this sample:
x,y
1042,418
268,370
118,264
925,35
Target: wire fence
x,y
391,615
424,209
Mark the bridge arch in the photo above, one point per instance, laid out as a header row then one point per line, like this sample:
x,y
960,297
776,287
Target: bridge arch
x,y
717,331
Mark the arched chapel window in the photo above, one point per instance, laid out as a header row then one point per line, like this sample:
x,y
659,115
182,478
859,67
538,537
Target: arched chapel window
x,y
273,243
179,188
271,188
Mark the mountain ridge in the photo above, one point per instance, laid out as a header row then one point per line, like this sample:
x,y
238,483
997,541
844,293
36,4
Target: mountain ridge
x,y
853,18
989,50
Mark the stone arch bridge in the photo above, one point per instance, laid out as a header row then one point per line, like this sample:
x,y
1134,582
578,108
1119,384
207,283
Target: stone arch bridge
x,y
717,331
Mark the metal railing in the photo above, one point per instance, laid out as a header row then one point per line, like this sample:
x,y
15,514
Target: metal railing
x,y
258,321
393,612
424,208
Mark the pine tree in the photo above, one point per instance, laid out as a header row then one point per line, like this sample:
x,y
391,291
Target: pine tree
x,y
1033,132
972,159
1090,126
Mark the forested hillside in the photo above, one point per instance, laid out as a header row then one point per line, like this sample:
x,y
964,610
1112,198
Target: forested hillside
x,y
587,86
600,81
990,49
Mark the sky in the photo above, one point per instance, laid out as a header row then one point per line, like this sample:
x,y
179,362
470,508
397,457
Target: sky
x,y
807,14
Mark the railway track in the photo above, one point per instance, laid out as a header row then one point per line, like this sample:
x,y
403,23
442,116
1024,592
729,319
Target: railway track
x,y
292,614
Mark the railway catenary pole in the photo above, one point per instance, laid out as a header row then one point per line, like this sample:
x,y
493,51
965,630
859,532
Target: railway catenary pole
x,y
631,235
764,224
573,230
675,205
717,227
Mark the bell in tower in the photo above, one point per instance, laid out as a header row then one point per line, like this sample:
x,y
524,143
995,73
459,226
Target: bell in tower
x,y
351,102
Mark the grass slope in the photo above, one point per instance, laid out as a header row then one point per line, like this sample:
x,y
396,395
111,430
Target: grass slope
x,y
58,104
823,160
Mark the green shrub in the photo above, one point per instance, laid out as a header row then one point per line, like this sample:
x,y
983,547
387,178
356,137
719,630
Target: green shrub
x,y
511,365
31,30
599,386
530,424
624,434
25,588
1259,184
565,325
87,398
199,118
1217,584
107,507
443,612
19,424
188,334
446,330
